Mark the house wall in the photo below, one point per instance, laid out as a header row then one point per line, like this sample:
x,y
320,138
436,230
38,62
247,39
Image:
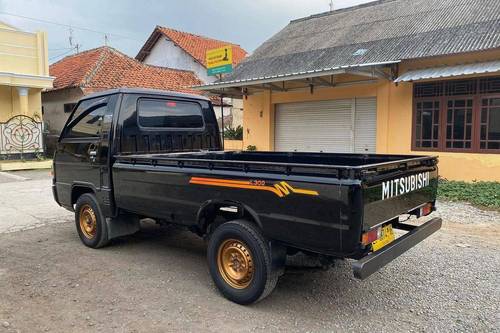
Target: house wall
x,y
394,118
24,72
53,107
235,111
233,145
166,54
23,53
6,103
53,113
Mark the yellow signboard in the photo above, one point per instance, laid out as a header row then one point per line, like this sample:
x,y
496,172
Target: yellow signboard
x,y
220,57
220,60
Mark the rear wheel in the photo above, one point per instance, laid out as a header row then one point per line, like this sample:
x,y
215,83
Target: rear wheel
x,y
239,260
90,223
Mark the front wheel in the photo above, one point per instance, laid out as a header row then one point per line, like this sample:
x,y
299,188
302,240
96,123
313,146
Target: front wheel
x,y
240,262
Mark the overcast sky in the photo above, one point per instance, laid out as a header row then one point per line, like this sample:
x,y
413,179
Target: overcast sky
x,y
129,23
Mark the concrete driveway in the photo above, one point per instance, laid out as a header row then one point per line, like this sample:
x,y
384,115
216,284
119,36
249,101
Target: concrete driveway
x,y
26,201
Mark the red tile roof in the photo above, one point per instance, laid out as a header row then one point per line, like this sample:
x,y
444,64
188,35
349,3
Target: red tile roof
x,y
105,68
194,45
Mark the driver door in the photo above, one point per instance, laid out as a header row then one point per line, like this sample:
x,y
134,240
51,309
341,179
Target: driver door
x,y
80,145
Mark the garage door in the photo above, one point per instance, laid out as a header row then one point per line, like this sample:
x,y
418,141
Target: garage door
x,y
337,126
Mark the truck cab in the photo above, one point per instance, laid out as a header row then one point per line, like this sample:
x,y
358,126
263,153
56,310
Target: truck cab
x,y
93,136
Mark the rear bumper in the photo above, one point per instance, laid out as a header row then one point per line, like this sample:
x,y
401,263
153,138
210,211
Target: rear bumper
x,y
368,265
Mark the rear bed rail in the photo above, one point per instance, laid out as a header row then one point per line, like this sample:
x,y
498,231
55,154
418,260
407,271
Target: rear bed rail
x,y
199,160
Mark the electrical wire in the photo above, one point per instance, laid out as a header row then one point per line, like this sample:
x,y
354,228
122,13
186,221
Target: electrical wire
x,y
69,26
62,54
61,49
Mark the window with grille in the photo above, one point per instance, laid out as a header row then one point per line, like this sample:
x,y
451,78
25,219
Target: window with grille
x,y
427,124
457,115
490,124
459,124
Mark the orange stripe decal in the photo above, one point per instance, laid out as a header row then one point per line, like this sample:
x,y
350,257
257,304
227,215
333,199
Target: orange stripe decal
x,y
281,189
227,181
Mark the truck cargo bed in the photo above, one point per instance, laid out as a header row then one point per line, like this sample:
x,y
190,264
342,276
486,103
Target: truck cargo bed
x,y
300,163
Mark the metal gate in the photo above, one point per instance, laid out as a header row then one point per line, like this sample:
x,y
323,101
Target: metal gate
x,y
21,135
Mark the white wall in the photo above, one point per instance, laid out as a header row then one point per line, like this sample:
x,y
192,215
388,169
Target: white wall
x,y
236,111
166,54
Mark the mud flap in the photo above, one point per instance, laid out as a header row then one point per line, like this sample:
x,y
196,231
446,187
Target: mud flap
x,y
122,225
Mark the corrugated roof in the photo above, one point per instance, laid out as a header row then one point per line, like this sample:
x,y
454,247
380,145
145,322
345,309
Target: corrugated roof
x,y
450,71
378,32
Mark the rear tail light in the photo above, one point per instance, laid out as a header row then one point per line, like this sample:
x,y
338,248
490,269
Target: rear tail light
x,y
371,236
426,210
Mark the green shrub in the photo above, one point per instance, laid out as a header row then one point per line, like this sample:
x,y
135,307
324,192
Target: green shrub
x,y
231,133
486,194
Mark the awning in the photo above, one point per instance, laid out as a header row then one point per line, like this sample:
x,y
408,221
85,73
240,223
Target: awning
x,y
450,71
370,73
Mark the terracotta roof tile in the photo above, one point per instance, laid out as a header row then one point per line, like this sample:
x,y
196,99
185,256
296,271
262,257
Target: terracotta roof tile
x,y
106,68
194,45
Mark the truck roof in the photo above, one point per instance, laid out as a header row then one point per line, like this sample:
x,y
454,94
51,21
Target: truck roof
x,y
144,91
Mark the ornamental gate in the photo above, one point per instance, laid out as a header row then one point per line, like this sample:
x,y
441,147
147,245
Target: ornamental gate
x,y
21,135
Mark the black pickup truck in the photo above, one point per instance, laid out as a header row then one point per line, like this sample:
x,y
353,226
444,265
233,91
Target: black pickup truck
x,y
130,154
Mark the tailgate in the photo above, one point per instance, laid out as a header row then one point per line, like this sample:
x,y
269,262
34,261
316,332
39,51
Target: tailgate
x,y
390,193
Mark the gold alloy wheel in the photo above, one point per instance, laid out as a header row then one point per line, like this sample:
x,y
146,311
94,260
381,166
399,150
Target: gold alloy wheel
x,y
88,222
235,263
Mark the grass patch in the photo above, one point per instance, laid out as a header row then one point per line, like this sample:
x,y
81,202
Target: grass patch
x,y
485,194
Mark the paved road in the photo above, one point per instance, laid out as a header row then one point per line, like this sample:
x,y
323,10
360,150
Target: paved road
x,y
26,201
157,281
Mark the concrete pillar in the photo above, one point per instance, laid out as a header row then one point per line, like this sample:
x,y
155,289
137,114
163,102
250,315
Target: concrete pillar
x,y
23,100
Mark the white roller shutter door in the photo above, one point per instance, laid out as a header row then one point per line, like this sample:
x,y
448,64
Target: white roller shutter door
x,y
314,126
328,126
365,125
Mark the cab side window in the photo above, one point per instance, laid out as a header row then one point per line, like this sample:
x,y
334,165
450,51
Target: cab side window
x,y
87,120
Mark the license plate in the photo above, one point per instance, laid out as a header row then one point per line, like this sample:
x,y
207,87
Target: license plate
x,y
386,238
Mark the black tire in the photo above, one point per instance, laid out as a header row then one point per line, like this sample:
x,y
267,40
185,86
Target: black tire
x,y
98,236
264,278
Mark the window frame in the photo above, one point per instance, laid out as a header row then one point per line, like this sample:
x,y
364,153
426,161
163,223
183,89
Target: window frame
x,y
414,125
156,129
443,108
444,124
72,122
485,150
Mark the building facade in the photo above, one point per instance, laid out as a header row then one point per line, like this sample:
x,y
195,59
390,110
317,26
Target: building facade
x,y
24,73
171,48
412,77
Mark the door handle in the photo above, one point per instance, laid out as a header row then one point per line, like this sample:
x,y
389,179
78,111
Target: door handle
x,y
92,151
92,156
